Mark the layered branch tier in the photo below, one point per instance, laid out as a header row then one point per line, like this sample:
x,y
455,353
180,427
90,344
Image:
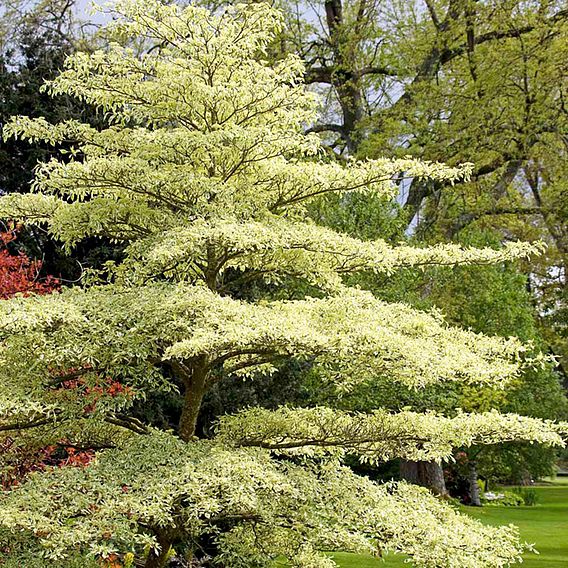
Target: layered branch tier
x,y
205,165
380,435
269,249
256,506
278,247
131,333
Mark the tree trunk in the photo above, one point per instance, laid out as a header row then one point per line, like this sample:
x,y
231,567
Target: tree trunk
x,y
194,378
426,474
195,381
526,477
158,559
473,486
344,76
418,191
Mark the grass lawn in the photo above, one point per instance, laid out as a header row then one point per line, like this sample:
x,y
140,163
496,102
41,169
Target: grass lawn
x,y
545,525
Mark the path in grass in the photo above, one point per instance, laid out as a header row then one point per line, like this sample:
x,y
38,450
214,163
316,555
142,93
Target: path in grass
x,y
545,525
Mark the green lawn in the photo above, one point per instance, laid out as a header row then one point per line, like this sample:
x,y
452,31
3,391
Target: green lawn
x,y
545,525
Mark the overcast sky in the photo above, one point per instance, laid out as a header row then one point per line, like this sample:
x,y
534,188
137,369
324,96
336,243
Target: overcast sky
x,y
85,12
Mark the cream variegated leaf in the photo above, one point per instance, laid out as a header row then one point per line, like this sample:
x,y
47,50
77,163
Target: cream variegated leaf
x,y
278,246
352,335
380,435
271,507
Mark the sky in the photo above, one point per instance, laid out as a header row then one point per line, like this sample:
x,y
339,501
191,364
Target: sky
x,y
85,12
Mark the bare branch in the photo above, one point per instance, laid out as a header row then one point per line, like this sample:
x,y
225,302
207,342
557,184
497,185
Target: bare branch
x,y
326,128
376,70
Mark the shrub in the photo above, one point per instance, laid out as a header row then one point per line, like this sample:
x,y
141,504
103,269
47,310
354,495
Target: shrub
x,y
503,499
529,495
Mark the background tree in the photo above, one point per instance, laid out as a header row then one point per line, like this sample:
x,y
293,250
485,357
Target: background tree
x,y
491,299
35,39
39,40
458,81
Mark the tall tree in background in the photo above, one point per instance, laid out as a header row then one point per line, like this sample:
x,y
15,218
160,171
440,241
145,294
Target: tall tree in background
x,y
35,39
204,175
490,299
34,43
459,81
463,80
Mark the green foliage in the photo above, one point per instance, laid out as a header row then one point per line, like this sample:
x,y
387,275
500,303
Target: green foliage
x,y
529,495
458,81
490,299
509,499
22,73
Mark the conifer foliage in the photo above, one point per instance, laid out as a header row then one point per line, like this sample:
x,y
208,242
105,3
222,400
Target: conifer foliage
x,y
203,174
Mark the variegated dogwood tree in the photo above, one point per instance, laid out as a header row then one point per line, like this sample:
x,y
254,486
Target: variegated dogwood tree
x,y
204,173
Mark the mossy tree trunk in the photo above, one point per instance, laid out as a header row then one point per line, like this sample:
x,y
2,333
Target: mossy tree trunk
x,y
474,494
